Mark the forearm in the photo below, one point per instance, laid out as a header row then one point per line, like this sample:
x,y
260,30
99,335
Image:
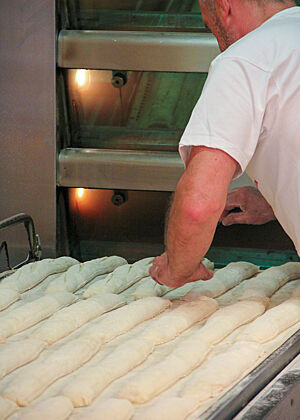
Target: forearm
x,y
198,203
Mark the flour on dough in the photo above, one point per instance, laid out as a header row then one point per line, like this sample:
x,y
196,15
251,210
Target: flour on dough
x,y
221,371
273,322
55,408
31,313
121,278
33,273
76,277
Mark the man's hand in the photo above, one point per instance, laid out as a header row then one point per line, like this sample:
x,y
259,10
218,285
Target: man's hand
x,y
254,208
160,272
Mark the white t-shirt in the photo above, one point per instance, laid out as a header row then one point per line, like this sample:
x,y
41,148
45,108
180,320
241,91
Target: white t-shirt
x,y
250,108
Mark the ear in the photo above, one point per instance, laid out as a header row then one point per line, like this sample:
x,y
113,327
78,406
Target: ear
x,y
224,9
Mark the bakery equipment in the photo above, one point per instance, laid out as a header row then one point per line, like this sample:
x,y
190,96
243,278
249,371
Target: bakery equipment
x,y
266,404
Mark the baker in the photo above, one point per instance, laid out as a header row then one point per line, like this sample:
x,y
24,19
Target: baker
x,y
247,119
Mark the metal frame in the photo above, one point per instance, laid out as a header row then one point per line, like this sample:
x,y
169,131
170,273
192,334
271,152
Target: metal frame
x,y
27,115
240,395
279,400
121,169
35,250
136,50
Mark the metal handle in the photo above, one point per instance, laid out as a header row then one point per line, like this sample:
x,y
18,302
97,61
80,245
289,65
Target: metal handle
x,y
35,250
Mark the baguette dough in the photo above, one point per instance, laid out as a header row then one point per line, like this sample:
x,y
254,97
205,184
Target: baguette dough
x,y
110,409
58,408
76,277
168,408
11,357
149,382
7,297
32,381
221,370
33,273
172,323
121,278
124,319
224,279
290,289
35,378
264,284
273,322
31,313
91,381
7,407
69,319
148,287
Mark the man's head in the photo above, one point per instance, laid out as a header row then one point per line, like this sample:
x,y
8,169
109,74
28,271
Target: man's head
x,y
230,20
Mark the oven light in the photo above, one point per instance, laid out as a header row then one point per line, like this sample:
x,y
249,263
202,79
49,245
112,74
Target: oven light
x,y
81,77
80,192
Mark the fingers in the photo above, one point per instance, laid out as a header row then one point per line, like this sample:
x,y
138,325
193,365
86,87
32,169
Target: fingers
x,y
236,218
235,198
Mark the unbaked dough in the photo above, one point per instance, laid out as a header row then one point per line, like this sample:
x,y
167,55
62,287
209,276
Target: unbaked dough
x,y
264,284
149,382
172,323
124,319
55,408
30,313
290,289
76,277
34,379
106,409
168,408
224,279
33,273
92,380
7,297
273,322
149,287
7,407
69,319
221,370
121,278
11,357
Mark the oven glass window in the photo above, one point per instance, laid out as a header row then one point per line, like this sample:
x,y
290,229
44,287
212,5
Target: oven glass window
x,y
154,15
130,110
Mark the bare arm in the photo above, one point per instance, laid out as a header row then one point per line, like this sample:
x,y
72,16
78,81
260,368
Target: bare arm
x,y
198,204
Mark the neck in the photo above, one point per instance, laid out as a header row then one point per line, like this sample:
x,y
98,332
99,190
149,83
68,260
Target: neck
x,y
257,14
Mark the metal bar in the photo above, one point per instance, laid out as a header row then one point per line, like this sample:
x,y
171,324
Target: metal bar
x,y
119,169
238,396
140,51
279,400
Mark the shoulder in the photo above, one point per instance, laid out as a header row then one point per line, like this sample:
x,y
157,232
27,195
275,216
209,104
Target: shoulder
x,y
268,44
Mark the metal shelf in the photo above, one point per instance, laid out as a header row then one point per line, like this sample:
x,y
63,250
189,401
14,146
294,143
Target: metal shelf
x,y
136,50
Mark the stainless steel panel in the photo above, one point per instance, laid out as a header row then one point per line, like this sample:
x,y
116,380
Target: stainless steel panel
x,y
27,115
124,50
121,169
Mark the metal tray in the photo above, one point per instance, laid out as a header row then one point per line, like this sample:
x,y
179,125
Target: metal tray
x,y
248,387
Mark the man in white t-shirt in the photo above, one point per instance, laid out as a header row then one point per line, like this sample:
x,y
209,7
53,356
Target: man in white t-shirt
x,y
247,118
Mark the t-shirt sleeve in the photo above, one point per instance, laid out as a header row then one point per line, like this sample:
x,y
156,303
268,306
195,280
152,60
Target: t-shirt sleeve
x,y
229,113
